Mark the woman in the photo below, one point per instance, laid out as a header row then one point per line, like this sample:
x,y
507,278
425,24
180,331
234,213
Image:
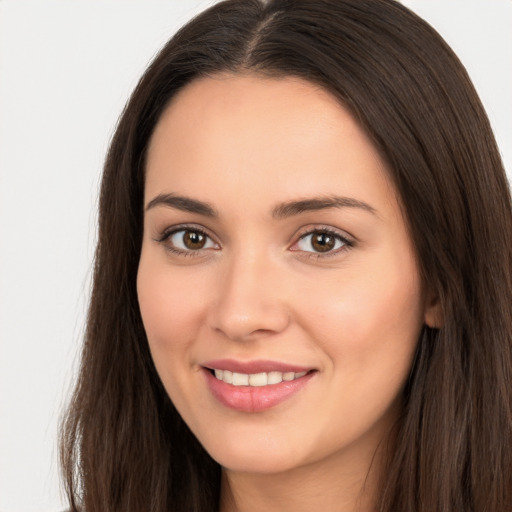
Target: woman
x,y
302,294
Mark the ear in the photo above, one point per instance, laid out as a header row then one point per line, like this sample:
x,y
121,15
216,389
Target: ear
x,y
433,312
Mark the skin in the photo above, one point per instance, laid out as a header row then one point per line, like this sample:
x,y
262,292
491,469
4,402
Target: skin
x,y
258,289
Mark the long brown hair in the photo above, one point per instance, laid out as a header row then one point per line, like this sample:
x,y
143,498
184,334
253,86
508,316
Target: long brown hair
x,y
123,445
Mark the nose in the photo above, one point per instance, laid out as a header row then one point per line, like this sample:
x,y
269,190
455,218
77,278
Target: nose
x,y
250,301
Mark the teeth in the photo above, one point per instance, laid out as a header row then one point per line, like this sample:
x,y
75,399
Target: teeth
x,y
240,379
274,377
256,379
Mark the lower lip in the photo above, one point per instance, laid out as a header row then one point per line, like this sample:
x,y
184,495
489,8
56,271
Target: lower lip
x,y
254,398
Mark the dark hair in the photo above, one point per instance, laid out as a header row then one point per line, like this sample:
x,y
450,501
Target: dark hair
x,y
125,448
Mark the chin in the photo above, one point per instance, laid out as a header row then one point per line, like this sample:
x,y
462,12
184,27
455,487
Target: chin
x,y
256,464
255,458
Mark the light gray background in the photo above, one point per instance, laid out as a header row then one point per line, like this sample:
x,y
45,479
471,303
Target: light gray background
x,y
66,70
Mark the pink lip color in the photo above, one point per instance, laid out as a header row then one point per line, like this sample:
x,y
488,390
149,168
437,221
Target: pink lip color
x,y
254,399
249,367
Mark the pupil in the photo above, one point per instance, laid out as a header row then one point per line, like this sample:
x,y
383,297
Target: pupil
x,y
323,242
194,240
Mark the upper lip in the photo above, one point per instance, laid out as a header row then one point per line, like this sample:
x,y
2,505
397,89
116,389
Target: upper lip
x,y
251,367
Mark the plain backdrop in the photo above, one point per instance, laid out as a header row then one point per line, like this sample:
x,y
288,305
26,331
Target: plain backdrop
x,y
66,69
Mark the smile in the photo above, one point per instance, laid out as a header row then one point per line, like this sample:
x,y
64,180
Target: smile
x,y
256,379
254,386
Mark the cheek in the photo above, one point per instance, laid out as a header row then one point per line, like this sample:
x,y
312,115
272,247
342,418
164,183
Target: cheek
x,y
369,318
171,303
368,325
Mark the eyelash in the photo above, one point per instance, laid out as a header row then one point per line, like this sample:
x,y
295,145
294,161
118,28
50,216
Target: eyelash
x,y
346,243
168,233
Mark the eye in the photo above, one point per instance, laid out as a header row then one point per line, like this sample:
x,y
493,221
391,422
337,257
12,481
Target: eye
x,y
321,241
188,240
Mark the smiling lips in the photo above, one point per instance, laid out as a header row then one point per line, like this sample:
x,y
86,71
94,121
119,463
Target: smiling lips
x,y
256,379
255,386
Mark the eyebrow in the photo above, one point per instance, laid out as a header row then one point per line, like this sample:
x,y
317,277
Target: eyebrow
x,y
185,204
291,208
281,211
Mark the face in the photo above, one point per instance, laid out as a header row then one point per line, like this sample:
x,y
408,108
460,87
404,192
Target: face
x,y
277,283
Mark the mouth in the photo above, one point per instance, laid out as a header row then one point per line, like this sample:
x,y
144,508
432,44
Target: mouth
x,y
257,386
256,379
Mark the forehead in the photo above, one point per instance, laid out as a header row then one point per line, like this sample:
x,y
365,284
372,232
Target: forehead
x,y
250,135
251,105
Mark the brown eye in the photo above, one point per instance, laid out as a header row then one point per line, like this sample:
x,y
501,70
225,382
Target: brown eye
x,y
187,240
321,242
194,240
